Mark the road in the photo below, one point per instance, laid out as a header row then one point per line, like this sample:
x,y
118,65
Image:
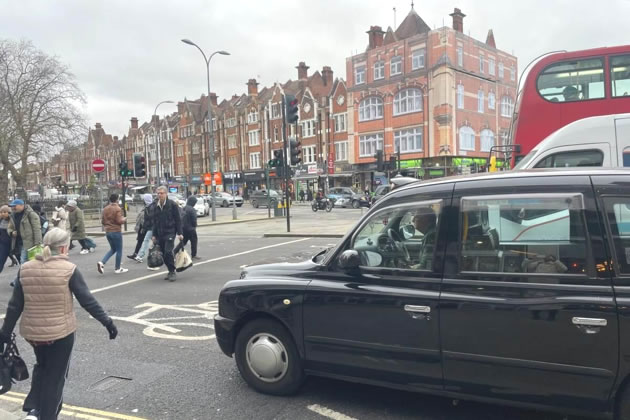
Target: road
x,y
166,364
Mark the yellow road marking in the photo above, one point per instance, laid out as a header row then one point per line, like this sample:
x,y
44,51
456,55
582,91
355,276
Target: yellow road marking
x,y
74,411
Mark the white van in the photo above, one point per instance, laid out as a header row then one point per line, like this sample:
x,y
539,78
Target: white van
x,y
593,141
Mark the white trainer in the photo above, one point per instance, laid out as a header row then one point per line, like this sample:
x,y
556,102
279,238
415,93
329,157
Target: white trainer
x,y
84,251
121,270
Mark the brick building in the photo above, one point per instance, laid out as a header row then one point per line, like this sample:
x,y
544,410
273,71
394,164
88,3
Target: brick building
x,y
439,98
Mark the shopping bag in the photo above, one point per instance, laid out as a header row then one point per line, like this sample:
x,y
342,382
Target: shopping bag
x,y
5,375
19,371
182,261
33,252
155,258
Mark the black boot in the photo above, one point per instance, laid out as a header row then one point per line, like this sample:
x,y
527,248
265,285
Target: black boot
x,y
132,256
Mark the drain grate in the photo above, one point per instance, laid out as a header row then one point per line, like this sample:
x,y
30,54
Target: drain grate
x,y
108,382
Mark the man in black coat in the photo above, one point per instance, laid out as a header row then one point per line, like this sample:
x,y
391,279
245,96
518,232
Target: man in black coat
x,y
189,223
166,224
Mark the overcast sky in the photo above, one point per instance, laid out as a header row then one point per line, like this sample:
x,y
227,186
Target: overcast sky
x,y
127,54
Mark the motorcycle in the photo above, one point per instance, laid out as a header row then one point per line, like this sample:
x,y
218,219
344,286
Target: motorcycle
x,y
323,204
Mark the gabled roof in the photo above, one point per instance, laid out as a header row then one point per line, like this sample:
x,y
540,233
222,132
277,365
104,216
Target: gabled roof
x,y
412,25
390,36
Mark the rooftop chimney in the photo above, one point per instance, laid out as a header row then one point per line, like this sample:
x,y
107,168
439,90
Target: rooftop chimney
x,y
252,87
375,36
327,75
458,20
213,98
98,126
134,122
115,138
302,71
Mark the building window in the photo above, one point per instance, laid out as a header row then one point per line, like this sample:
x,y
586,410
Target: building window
x,y
504,138
308,128
276,111
395,66
408,100
254,138
466,138
186,131
233,164
480,101
340,122
371,109
507,106
231,122
487,140
460,56
276,135
254,160
491,66
501,70
408,140
481,70
460,96
308,154
231,142
369,144
417,59
180,150
195,148
196,167
512,73
341,151
491,100
379,70
180,168
252,117
359,75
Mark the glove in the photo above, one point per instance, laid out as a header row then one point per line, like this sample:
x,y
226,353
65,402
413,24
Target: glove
x,y
112,330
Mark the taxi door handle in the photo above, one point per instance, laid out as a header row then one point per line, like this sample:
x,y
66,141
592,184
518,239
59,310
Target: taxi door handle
x,y
589,322
418,309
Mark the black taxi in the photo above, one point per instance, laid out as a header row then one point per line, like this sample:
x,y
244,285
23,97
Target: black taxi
x,y
511,288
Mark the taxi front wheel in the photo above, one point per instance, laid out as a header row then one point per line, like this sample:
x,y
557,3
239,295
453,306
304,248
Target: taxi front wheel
x,y
267,358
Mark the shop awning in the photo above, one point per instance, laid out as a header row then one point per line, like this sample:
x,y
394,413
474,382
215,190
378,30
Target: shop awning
x,y
138,187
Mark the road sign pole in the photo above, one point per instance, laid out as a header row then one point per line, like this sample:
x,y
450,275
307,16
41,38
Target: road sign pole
x,y
286,163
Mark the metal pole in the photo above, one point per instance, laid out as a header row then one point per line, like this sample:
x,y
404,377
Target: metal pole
x,y
211,144
233,199
286,163
100,198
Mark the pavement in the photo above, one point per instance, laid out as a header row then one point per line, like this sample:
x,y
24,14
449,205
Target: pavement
x,y
166,363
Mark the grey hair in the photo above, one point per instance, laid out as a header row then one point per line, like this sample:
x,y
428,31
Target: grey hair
x,y
53,240
162,188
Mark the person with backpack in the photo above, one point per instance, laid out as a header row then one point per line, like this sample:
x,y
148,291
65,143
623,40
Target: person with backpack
x,y
189,226
37,208
143,229
77,228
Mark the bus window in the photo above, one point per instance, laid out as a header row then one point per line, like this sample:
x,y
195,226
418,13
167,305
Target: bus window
x,y
572,159
571,81
626,157
620,76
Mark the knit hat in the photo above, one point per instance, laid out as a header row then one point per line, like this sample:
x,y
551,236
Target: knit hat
x,y
148,199
71,203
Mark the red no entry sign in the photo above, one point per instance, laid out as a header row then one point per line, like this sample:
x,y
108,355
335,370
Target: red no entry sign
x,y
98,165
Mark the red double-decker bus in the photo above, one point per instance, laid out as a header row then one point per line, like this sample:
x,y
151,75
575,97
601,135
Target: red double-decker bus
x,y
564,87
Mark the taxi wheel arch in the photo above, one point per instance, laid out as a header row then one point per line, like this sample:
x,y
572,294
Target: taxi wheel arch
x,y
293,375
622,400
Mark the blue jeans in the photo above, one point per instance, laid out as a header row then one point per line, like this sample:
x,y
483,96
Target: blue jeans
x,y
115,247
145,244
23,255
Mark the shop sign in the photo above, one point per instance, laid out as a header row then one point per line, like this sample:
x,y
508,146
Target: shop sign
x,y
410,163
436,172
312,169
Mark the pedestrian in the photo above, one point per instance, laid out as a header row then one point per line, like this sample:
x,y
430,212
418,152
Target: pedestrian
x,y
42,299
309,194
112,220
166,225
77,227
301,196
189,226
43,221
24,228
60,217
143,229
5,239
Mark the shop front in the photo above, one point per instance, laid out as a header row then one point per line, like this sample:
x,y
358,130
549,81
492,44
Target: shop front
x,y
252,181
233,182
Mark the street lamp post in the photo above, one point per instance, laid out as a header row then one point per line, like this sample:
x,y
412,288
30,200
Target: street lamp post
x,y
157,142
210,127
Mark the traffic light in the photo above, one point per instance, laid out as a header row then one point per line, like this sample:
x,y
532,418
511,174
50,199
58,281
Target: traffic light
x,y
291,113
493,164
277,160
379,160
125,172
296,151
392,163
139,166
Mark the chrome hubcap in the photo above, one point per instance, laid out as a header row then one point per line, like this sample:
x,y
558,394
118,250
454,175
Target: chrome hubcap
x,y
267,357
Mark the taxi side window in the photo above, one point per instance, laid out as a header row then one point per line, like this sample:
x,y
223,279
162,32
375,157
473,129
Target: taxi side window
x,y
618,215
400,237
539,233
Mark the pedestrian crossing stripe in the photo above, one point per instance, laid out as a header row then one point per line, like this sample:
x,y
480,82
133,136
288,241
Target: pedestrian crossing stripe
x,y
73,411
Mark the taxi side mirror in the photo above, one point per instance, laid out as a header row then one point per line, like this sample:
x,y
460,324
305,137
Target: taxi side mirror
x,y
349,260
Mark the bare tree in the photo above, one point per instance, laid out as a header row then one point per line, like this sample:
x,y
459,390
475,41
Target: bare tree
x,y
39,109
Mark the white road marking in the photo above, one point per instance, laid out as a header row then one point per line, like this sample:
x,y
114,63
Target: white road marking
x,y
327,412
159,273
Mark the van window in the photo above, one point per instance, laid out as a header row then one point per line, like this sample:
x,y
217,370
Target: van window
x,y
571,81
537,233
620,75
618,215
572,159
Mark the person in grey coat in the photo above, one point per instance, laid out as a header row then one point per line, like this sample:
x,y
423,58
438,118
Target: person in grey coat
x,y
189,226
77,228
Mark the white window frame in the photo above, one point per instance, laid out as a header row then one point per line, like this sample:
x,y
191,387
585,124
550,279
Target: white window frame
x,y
418,59
410,140
359,74
512,73
232,142
180,150
252,117
233,163
379,70
460,96
180,168
481,66
254,160
407,101
196,148
491,100
308,128
340,122
466,138
487,140
341,151
309,154
196,167
491,66
395,66
460,56
369,144
501,70
481,101
507,106
371,108
276,111
254,137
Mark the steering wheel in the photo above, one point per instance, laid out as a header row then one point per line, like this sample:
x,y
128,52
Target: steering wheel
x,y
399,244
